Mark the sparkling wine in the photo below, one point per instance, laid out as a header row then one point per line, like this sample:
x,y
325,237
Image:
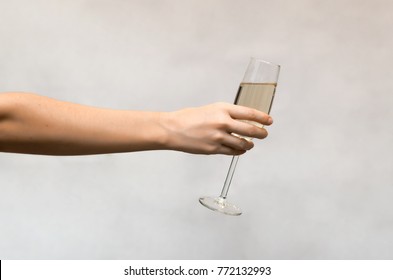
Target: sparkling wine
x,y
256,95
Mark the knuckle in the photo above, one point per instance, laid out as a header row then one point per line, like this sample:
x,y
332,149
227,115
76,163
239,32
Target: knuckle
x,y
222,105
254,131
259,132
251,114
222,122
216,149
211,149
218,136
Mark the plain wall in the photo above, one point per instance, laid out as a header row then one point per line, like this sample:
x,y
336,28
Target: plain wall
x,y
319,187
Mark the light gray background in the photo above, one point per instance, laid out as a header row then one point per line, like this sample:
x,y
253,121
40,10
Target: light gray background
x,y
319,187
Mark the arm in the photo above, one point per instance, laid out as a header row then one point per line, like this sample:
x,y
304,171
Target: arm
x,y
35,124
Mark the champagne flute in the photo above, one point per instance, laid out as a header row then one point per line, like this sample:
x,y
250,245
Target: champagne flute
x,y
256,91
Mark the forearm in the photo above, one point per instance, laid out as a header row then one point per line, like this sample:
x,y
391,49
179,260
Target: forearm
x,y
39,125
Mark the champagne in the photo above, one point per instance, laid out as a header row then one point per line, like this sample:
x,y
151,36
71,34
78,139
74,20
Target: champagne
x,y
256,95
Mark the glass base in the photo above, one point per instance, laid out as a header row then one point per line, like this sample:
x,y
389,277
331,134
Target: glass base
x,y
221,205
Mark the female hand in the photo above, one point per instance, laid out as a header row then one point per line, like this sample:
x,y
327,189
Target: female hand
x,y
209,129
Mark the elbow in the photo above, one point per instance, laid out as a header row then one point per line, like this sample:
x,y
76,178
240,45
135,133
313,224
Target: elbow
x,y
7,111
3,131
7,103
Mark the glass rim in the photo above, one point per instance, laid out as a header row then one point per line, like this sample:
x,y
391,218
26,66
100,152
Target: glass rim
x,y
265,61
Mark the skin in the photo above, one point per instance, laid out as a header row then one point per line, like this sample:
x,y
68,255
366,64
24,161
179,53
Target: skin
x,y
34,124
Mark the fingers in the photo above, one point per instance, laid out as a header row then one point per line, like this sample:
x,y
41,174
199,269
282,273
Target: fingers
x,y
245,128
225,150
249,114
237,143
234,145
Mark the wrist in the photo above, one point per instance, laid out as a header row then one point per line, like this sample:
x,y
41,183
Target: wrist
x,y
171,123
165,137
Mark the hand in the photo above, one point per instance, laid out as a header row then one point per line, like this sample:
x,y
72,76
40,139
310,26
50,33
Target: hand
x,y
208,129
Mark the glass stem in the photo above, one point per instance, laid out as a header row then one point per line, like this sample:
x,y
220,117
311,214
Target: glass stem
x,y
229,177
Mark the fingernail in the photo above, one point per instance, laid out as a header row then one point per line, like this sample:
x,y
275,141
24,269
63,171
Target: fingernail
x,y
247,144
270,120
